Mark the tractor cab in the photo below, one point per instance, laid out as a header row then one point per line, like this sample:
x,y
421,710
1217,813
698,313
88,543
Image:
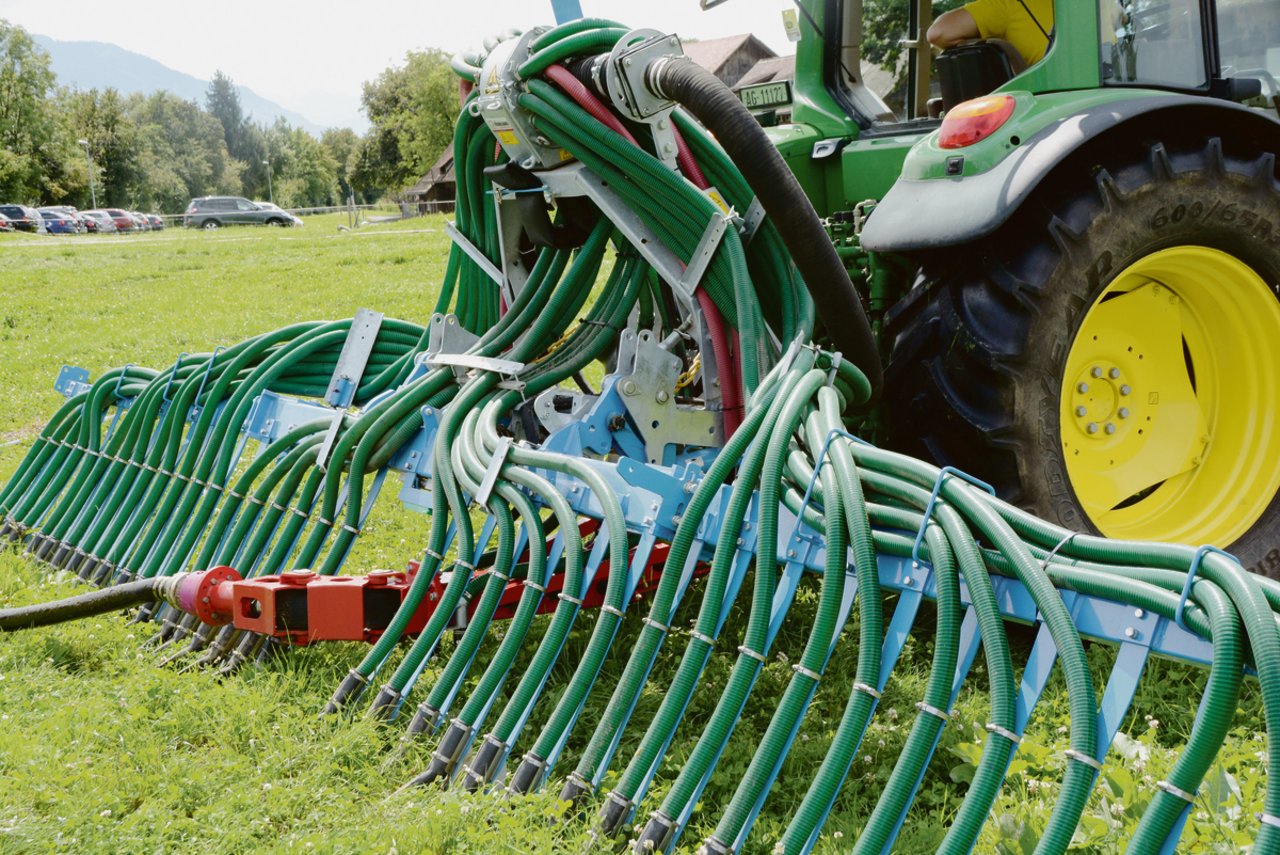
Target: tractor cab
x,y
1228,49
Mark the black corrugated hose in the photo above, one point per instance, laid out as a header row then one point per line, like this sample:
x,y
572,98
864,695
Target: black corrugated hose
x,y
106,600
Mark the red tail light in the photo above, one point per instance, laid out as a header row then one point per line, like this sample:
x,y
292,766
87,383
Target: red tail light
x,y
974,121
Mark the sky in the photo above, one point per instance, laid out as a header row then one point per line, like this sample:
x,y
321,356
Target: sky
x,y
311,56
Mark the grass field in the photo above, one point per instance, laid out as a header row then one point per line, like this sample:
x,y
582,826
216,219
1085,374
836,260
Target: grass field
x,y
103,751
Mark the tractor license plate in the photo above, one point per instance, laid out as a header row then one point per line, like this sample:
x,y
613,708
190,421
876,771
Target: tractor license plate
x,y
765,95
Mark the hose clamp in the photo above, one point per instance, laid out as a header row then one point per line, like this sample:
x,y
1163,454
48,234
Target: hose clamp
x,y
498,574
806,672
582,782
350,528
540,588
933,711
703,637
430,553
992,727
747,651
1268,819
867,690
1173,790
299,513
1087,759
660,627
239,497
1048,559
613,610
620,800
568,599
325,522
254,500
276,506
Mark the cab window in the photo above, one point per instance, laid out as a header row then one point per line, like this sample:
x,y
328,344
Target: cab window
x,y
1153,43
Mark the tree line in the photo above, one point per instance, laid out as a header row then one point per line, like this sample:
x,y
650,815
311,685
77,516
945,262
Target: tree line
x,y
156,152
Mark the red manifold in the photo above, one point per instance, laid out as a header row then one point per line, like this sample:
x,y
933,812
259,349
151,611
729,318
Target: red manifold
x,y
300,607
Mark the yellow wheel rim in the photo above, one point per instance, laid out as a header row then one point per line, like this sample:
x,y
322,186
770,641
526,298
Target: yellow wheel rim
x,y
1170,400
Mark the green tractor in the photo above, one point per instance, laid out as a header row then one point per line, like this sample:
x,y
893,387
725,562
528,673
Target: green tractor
x,y
1075,278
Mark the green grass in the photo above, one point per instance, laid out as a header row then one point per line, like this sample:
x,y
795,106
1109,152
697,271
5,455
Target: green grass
x,y
103,751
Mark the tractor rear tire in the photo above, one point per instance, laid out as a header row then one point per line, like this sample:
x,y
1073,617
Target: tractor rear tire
x,y
1110,358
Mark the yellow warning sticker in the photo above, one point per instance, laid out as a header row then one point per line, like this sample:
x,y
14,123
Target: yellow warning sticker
x,y
508,137
714,195
564,155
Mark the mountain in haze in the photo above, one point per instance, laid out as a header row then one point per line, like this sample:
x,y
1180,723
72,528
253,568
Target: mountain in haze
x,y
98,65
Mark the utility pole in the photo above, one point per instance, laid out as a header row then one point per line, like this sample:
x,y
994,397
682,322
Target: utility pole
x,y
271,195
93,193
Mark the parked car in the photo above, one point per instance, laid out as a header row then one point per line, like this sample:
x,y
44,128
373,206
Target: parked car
x,y
58,222
212,212
157,222
106,223
23,218
48,212
124,222
6,225
291,219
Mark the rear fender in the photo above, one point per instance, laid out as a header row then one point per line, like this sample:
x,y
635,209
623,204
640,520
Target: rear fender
x,y
934,212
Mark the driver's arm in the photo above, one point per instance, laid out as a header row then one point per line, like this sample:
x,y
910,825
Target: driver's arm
x,y
953,27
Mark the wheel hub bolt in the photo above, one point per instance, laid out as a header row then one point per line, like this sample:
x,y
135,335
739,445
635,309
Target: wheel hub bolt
x,y
1124,412
1111,428
1080,411
1082,388
1114,374
1125,390
1092,427
1096,372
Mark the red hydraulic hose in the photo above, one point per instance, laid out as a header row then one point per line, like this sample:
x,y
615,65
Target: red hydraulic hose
x,y
576,90
724,340
689,166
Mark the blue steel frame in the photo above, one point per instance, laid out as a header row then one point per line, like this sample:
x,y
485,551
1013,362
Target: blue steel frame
x,y
653,497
